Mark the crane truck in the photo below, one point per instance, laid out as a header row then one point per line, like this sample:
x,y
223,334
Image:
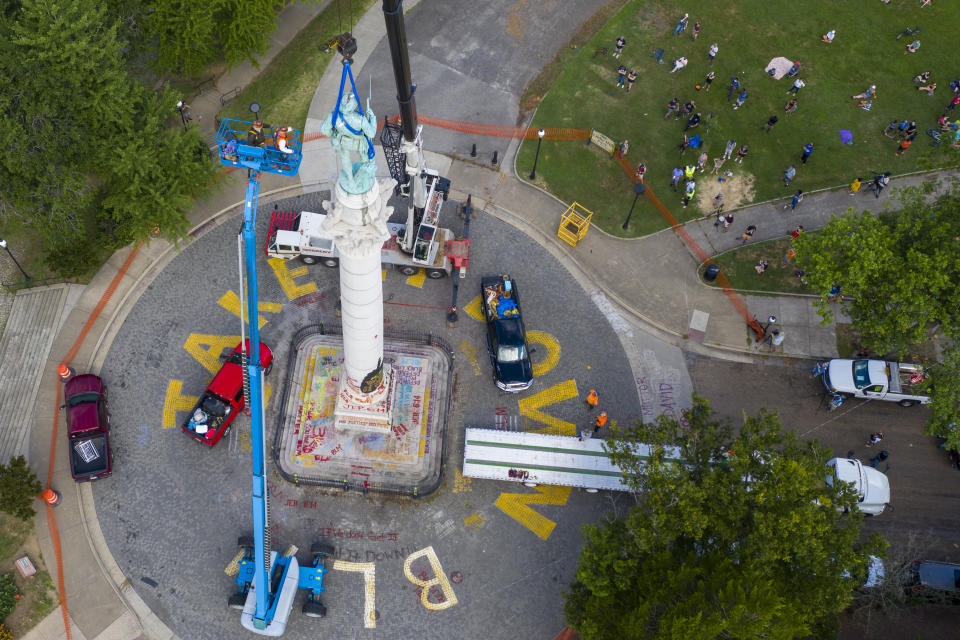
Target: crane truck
x,y
267,582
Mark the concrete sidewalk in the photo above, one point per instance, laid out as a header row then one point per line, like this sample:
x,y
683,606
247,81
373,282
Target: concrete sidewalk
x,y
653,278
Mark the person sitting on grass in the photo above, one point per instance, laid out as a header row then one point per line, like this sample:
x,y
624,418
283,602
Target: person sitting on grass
x,y
761,266
922,78
791,106
828,36
930,88
865,104
912,47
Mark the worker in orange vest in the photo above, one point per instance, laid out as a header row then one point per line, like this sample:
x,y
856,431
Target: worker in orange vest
x,y
280,140
601,421
592,400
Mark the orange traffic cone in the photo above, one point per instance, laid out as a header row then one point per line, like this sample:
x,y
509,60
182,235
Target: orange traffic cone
x,y
52,496
64,372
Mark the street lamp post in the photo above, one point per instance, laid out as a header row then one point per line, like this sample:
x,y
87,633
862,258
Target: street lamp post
x,y
638,189
770,320
540,134
3,243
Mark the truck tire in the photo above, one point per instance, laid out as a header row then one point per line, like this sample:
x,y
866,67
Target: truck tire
x,y
907,403
322,548
308,259
237,601
245,541
436,274
333,263
406,269
313,609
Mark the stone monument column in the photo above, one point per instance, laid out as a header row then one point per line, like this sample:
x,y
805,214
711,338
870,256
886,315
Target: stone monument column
x,y
357,221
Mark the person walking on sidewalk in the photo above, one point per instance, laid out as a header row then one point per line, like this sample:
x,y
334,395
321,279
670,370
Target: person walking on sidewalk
x,y
879,182
795,200
855,186
807,150
747,235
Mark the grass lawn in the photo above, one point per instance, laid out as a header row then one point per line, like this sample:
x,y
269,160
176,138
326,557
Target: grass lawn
x,y
286,86
38,595
749,34
779,277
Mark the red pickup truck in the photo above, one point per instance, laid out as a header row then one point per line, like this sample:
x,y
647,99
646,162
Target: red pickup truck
x,y
87,428
223,398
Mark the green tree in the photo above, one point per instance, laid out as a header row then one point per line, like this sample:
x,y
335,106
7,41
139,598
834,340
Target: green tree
x,y
899,270
945,399
18,488
151,182
89,158
743,539
184,40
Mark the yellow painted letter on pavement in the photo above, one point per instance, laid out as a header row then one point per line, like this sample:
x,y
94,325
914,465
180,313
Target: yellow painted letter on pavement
x,y
209,357
531,408
439,579
368,569
474,309
416,280
175,402
285,276
516,505
550,343
231,302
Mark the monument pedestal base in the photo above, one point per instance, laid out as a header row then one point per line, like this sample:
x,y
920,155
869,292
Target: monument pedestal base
x,y
365,411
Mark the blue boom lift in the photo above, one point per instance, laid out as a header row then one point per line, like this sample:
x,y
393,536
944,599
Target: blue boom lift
x,y
267,582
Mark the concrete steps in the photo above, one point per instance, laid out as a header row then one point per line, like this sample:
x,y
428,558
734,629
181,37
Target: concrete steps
x,y
34,322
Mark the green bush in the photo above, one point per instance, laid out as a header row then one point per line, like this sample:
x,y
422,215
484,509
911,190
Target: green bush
x,y
18,488
8,595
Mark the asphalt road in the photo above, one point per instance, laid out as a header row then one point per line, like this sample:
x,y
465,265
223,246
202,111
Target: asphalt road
x,y
174,508
923,486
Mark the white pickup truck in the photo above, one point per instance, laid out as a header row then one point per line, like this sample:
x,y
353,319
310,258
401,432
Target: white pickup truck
x,y
877,380
871,486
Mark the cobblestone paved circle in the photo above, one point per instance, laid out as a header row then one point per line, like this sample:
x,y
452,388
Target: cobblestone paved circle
x,y
173,511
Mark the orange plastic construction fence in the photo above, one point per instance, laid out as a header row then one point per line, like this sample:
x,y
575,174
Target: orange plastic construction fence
x,y
491,130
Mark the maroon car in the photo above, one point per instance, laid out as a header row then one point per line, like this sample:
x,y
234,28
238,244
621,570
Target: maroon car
x,y
223,399
87,428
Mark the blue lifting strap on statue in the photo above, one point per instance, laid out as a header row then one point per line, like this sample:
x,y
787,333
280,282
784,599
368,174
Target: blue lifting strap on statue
x,y
347,73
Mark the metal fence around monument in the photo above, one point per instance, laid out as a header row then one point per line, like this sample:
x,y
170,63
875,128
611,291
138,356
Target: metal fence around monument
x,y
431,484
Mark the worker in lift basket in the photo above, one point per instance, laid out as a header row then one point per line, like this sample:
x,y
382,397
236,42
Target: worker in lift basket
x,y
256,137
280,140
